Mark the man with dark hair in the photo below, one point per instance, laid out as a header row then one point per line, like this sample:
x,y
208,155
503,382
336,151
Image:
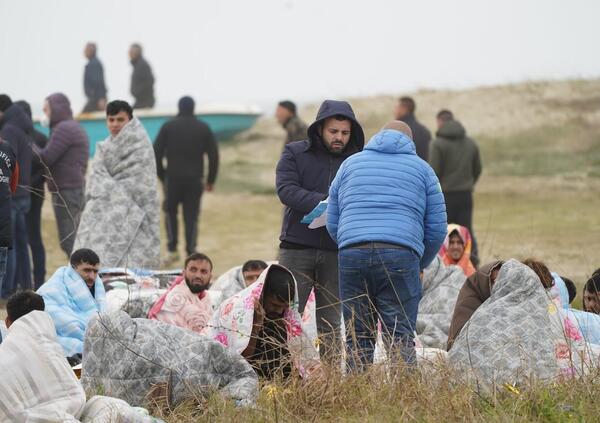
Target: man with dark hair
x,y
187,305
93,81
185,142
21,303
456,161
405,111
9,177
37,195
121,217
591,294
236,279
443,116
65,158
72,296
142,79
295,128
571,288
304,174
15,127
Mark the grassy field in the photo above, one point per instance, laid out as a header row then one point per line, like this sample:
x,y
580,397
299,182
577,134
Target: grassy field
x,y
539,196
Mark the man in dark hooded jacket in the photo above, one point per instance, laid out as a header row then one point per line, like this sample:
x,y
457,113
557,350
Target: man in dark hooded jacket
x,y
9,177
456,161
405,111
304,175
184,141
142,79
15,127
37,194
65,158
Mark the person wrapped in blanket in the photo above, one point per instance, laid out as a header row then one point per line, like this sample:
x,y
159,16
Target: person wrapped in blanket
x,y
73,295
591,294
456,249
262,324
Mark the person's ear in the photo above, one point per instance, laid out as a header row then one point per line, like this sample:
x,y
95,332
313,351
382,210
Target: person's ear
x,y
8,322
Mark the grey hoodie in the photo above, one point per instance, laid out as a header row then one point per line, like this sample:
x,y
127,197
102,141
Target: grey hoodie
x,y
455,158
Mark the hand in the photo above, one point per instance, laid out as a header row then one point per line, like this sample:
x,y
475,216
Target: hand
x,y
209,188
259,314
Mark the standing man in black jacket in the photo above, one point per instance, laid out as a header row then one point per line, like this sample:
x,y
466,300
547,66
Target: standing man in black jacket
x,y
184,141
405,111
9,177
304,174
34,217
142,79
93,81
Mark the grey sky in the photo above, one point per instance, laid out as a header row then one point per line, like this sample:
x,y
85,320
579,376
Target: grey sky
x,y
263,50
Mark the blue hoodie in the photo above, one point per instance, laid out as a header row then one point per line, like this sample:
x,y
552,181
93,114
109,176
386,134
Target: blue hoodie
x,y
388,194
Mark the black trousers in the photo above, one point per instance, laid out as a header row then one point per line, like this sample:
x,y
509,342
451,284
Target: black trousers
x,y
34,234
459,207
189,194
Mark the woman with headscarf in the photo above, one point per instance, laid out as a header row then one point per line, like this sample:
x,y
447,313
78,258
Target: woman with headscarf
x,y
456,249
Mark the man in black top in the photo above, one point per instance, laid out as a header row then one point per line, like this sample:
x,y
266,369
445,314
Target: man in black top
x,y
93,81
184,141
405,111
142,79
9,177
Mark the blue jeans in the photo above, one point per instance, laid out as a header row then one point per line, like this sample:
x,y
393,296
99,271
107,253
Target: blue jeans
x,y
379,284
18,269
3,260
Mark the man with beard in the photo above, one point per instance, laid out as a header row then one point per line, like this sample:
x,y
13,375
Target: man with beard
x,y
304,175
187,305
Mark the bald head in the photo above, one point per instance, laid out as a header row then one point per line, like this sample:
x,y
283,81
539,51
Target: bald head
x,y
398,125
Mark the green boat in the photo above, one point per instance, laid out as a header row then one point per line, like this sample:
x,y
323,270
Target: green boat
x,y
225,122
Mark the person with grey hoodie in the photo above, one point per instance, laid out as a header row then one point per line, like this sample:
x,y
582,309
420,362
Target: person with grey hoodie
x,y
456,161
66,158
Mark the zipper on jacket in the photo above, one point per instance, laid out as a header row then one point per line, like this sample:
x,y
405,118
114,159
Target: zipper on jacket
x,y
329,181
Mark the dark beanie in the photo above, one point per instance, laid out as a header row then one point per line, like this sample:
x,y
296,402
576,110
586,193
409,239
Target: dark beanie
x,y
186,106
23,105
280,282
286,104
5,102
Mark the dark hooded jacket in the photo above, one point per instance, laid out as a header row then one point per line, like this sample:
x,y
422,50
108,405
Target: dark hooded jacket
x,y
455,158
184,141
142,84
420,135
9,176
68,149
15,128
476,290
40,140
304,175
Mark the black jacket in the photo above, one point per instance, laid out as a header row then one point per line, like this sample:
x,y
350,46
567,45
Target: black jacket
x,y
421,136
142,84
184,141
93,80
304,174
8,179
15,128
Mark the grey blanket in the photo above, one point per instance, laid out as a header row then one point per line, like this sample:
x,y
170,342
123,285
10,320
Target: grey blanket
x,y
441,285
120,221
509,338
125,358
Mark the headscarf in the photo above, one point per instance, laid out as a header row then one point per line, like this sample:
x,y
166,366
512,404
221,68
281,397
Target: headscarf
x,y
465,260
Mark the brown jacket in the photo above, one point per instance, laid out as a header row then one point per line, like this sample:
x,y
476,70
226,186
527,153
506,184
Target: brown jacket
x,y
476,290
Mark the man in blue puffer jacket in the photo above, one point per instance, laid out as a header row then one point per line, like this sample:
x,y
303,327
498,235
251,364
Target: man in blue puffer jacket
x,y
387,214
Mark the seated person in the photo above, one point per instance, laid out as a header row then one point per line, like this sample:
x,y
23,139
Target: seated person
x,y
72,296
21,303
571,288
477,289
591,294
236,279
186,303
262,324
456,249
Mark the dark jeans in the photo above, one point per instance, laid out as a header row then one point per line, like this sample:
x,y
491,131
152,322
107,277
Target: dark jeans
x,y
379,284
36,243
459,208
68,205
190,196
3,263
18,269
318,269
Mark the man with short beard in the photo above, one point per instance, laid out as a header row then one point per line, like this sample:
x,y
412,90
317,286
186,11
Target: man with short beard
x,y
187,305
304,175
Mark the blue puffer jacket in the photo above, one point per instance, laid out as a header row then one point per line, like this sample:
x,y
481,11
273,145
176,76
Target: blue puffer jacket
x,y
388,194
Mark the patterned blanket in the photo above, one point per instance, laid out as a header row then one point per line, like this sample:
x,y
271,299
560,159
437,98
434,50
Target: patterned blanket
x,y
441,285
70,304
125,358
231,325
120,221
